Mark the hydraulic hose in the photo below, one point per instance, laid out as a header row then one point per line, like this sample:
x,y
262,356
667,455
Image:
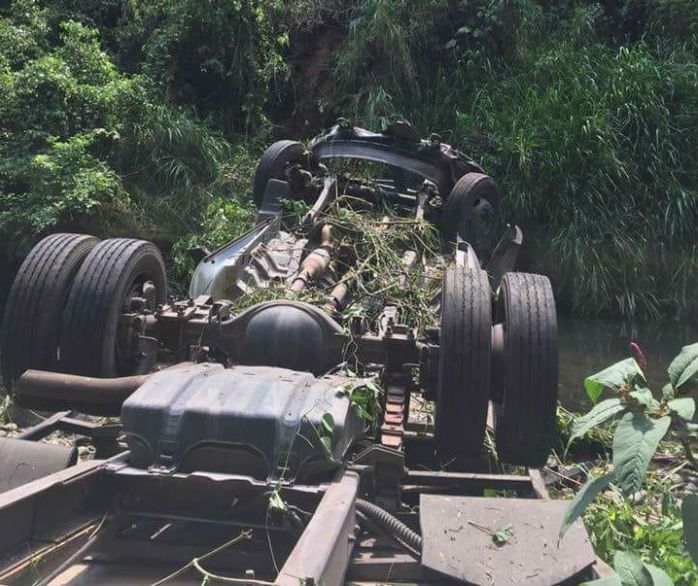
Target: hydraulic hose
x,y
389,523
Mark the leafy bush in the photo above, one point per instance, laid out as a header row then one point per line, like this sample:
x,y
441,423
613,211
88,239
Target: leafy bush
x,y
588,129
643,422
85,147
220,56
585,112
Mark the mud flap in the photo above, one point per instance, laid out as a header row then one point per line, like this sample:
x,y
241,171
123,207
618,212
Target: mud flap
x,y
486,541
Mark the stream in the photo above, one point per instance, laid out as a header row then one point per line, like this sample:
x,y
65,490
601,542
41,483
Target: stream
x,y
589,345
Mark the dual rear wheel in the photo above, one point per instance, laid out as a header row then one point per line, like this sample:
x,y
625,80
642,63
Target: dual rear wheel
x,y
504,352
65,311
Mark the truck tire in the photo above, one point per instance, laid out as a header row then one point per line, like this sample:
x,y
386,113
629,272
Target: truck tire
x,y
274,162
464,363
101,291
472,211
526,373
32,321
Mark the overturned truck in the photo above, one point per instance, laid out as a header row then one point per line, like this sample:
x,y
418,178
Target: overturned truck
x,y
359,389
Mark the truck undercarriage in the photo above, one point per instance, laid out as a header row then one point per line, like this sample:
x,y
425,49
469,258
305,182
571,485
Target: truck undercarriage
x,y
276,425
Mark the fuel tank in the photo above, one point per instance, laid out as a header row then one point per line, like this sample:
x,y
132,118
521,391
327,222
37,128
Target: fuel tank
x,y
264,422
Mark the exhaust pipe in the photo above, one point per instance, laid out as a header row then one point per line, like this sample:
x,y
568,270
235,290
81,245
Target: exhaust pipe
x,y
55,391
316,263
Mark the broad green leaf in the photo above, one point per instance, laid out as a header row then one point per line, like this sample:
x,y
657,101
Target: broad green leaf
x,y
276,502
599,413
684,407
631,570
607,581
683,370
614,377
326,444
328,423
689,511
659,576
580,501
642,396
502,535
634,443
668,392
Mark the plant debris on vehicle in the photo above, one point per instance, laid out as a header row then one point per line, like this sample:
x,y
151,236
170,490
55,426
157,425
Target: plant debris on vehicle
x,y
269,409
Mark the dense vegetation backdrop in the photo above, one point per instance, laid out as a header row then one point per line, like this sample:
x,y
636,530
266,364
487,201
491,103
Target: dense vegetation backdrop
x,y
145,117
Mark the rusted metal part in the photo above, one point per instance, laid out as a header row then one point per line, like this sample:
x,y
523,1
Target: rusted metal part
x,y
394,416
316,263
335,299
322,554
50,390
326,197
63,511
538,484
427,481
62,421
427,192
104,436
387,467
46,509
46,555
43,428
504,257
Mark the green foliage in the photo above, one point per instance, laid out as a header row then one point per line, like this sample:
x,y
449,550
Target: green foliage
x,y
623,374
379,276
600,413
584,112
220,56
631,571
325,433
683,371
85,147
581,500
276,502
634,443
589,136
689,510
650,529
364,396
644,423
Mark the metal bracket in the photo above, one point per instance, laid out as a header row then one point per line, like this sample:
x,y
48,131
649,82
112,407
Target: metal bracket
x,y
505,255
274,192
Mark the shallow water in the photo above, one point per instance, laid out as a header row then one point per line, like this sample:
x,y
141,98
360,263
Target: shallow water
x,y
587,346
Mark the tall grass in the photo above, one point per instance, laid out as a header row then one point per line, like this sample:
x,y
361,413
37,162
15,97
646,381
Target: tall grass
x,y
591,137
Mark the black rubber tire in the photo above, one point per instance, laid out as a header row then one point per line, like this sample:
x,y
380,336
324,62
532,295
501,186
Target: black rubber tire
x,y
464,363
32,321
473,212
525,411
273,163
99,292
